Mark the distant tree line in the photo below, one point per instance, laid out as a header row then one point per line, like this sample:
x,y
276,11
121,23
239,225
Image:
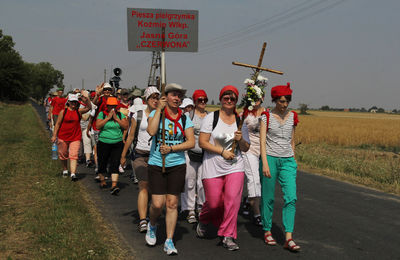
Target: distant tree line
x,y
374,109
20,80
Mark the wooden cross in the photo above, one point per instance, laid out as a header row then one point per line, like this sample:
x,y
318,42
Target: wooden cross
x,y
257,70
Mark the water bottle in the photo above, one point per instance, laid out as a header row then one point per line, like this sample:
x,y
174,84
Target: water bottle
x,y
54,151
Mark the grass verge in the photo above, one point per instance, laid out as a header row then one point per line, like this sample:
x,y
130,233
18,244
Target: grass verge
x,y
43,216
373,168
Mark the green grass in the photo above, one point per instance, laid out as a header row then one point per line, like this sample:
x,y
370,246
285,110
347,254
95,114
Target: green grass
x,y
43,216
371,167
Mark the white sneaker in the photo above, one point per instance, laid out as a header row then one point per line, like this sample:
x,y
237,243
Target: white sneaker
x,y
169,247
65,173
151,238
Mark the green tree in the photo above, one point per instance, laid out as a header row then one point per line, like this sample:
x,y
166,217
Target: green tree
x,y
325,108
303,109
12,71
42,78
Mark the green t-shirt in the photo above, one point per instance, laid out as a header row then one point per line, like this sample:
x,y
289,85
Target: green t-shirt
x,y
111,132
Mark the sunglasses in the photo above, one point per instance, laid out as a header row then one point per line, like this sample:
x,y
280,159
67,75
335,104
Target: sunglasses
x,y
232,99
107,89
202,100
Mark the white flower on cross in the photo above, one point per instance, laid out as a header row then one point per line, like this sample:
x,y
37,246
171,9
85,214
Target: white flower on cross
x,y
249,82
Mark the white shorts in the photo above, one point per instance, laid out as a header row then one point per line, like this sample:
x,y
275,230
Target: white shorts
x,y
251,166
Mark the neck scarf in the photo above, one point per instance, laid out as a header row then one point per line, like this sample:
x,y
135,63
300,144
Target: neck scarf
x,y
176,120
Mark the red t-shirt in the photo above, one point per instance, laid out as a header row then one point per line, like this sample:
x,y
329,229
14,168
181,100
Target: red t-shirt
x,y
70,129
58,105
102,106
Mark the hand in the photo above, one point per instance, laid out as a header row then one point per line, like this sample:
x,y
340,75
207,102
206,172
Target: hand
x,y
49,117
162,102
84,93
111,114
123,161
266,171
228,155
99,88
53,139
238,135
88,132
115,117
165,149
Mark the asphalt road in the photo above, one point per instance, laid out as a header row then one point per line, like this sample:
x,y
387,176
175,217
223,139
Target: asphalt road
x,y
334,220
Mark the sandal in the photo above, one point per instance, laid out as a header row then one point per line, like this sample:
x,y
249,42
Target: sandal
x,y
291,246
269,240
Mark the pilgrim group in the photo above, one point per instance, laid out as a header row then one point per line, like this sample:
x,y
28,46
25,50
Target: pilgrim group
x,y
183,154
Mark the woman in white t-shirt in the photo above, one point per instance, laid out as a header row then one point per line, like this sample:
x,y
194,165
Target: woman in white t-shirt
x,y
223,169
142,152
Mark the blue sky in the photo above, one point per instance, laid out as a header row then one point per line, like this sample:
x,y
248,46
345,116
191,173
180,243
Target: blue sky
x,y
341,53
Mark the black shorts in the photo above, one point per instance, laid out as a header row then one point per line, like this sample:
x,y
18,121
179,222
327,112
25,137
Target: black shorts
x,y
170,182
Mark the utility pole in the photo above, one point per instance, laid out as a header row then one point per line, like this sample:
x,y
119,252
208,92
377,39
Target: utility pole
x,y
83,84
155,66
105,71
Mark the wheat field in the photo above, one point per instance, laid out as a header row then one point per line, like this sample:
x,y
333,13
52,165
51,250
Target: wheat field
x,y
349,129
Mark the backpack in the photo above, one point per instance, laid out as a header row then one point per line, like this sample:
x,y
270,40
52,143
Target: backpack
x,y
216,117
295,118
65,112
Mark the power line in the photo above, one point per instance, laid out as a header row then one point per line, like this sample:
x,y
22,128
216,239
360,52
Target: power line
x,y
280,24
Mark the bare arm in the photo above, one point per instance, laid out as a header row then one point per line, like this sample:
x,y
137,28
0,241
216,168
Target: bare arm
x,y
57,126
128,141
292,143
263,150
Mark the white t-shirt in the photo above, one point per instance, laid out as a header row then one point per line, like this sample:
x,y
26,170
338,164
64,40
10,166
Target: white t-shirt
x,y
214,165
143,136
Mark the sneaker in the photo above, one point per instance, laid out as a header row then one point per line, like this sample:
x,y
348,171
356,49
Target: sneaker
x,y
191,218
201,230
73,177
229,244
114,190
257,221
150,237
142,227
245,207
96,170
97,178
135,180
89,164
169,247
65,173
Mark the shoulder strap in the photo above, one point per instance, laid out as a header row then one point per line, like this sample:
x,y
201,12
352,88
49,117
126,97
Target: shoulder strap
x,y
267,115
183,118
62,119
215,120
191,114
79,115
295,118
138,122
